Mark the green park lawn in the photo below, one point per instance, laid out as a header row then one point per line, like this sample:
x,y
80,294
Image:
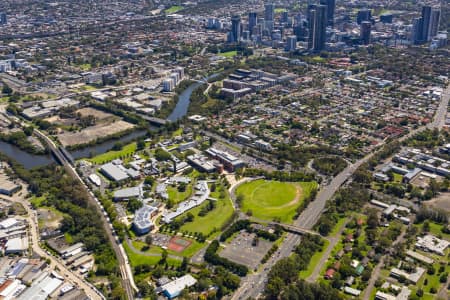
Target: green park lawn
x,y
314,261
127,150
273,199
279,10
229,54
174,9
138,259
214,219
177,196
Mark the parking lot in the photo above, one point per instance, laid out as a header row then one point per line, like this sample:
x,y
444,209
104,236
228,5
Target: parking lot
x,y
240,250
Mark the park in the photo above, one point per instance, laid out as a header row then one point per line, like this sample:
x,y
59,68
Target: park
x,y
273,200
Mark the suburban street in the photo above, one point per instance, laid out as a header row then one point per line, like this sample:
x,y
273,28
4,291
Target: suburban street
x,y
69,275
253,285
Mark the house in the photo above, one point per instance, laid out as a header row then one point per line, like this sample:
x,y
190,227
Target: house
x,y
352,291
349,281
329,274
339,254
359,269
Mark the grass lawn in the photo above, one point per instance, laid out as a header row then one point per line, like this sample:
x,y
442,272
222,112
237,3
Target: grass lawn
x,y
213,219
174,9
37,201
435,229
85,67
4,99
280,10
229,54
338,226
273,199
314,261
318,59
111,155
177,196
398,178
137,259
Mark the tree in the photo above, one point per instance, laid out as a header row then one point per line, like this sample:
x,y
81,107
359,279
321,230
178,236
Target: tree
x,y
28,130
140,144
6,89
372,219
149,240
134,204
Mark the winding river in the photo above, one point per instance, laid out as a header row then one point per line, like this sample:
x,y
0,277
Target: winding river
x,y
31,160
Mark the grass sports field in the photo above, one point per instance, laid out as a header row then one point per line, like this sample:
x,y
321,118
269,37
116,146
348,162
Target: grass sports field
x,y
273,199
229,54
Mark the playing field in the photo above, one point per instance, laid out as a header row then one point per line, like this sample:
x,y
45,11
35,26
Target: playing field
x,y
273,199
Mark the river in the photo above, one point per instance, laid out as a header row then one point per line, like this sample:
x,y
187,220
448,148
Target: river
x,y
30,160
184,99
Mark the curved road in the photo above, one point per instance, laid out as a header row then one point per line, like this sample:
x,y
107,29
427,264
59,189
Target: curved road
x,y
88,288
253,285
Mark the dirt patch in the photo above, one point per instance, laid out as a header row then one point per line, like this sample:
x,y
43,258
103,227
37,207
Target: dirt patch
x,y
98,114
92,133
48,218
440,202
59,121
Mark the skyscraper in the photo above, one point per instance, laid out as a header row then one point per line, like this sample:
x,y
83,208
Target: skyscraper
x,y
317,27
291,43
365,30
331,5
3,19
426,18
363,15
235,29
416,34
269,12
426,27
252,21
285,17
434,23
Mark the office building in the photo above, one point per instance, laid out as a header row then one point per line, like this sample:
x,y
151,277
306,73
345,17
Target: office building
x,y
269,11
317,27
235,29
365,30
252,21
330,4
3,19
426,27
386,18
285,17
269,15
434,24
363,15
426,20
291,43
416,33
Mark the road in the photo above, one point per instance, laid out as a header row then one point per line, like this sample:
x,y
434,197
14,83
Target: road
x,y
253,285
379,266
69,275
124,267
333,241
